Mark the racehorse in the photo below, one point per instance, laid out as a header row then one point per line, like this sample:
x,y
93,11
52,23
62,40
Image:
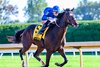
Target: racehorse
x,y
54,39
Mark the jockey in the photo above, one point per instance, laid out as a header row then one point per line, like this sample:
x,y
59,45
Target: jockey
x,y
49,16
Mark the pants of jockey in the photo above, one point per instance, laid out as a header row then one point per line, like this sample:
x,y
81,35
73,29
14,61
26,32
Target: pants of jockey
x,y
39,35
43,28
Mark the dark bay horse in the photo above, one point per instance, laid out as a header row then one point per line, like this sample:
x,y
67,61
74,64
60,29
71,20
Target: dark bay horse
x,y
53,41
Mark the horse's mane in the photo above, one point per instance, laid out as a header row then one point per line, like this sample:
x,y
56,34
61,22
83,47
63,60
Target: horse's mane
x,y
62,13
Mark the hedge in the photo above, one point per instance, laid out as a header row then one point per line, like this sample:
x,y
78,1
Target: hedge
x,y
9,30
86,31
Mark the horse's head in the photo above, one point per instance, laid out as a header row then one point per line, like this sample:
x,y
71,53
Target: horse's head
x,y
69,17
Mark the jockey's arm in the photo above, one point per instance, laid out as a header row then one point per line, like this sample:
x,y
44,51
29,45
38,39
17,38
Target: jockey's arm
x,y
44,19
52,20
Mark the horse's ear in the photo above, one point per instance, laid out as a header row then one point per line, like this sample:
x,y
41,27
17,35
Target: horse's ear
x,y
72,9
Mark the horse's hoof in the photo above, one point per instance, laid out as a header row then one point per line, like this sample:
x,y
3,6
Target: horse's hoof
x,y
57,64
42,63
23,64
44,66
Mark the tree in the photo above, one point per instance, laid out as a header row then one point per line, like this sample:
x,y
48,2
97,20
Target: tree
x,y
34,9
88,10
6,11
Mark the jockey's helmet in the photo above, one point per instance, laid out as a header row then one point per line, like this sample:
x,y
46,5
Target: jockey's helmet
x,y
56,9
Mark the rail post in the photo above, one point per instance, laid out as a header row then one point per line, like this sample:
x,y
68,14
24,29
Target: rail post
x,y
81,60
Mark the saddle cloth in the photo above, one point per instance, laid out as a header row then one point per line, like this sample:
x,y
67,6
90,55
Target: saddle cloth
x,y
37,29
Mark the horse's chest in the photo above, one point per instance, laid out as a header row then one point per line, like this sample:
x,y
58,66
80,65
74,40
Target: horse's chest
x,y
55,47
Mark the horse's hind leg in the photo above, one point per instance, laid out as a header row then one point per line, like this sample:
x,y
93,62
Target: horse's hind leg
x,y
61,51
22,51
27,42
36,55
21,56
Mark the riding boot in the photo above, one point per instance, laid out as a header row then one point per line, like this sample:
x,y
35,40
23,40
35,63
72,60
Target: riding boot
x,y
42,29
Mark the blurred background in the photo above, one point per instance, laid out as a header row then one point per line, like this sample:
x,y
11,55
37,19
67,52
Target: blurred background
x,y
30,11
18,14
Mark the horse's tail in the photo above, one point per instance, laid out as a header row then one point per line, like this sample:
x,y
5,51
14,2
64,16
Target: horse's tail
x,y
18,36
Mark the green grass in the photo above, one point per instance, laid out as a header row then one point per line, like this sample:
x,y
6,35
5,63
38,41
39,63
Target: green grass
x,y
88,61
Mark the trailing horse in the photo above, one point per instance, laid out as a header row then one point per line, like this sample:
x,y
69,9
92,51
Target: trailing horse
x,y
53,41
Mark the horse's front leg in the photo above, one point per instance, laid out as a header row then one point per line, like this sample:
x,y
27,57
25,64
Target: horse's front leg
x,y
36,55
48,56
61,51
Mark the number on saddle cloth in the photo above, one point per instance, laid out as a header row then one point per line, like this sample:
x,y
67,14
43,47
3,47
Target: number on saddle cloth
x,y
37,29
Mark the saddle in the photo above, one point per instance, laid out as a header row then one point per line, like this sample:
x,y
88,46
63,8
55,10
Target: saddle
x,y
36,30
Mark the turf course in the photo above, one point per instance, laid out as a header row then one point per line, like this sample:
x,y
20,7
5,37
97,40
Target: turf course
x,y
89,61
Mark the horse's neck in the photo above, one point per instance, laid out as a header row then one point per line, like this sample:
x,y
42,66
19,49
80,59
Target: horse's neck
x,y
60,31
57,33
